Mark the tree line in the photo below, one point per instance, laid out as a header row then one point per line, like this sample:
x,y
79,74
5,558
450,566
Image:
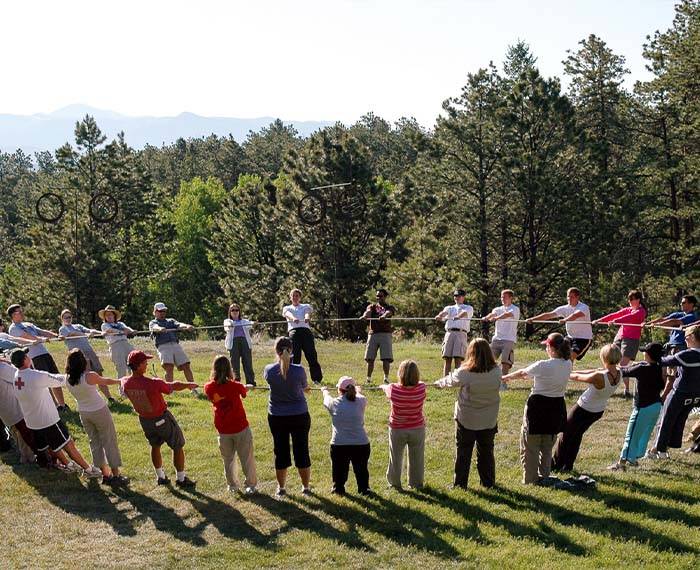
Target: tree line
x,y
519,184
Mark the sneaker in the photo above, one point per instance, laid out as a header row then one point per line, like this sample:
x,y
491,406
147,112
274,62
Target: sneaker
x,y
657,455
618,466
186,483
111,401
306,491
116,481
339,492
633,463
251,490
92,472
70,467
233,489
63,408
163,481
281,492
627,395
386,380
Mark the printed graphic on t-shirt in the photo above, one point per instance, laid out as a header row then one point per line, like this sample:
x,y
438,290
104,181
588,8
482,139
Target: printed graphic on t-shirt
x,y
139,398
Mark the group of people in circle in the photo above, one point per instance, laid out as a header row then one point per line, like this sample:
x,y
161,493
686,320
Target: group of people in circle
x,y
31,393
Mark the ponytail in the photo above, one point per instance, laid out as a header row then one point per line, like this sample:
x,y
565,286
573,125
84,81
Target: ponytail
x,y
283,348
350,393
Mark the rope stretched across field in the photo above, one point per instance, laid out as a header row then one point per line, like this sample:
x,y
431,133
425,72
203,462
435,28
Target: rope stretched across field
x,y
348,319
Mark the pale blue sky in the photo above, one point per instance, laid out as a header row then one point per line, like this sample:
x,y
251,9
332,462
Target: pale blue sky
x,y
303,60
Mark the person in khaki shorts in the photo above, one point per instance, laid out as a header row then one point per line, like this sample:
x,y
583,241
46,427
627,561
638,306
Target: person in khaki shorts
x,y
379,334
503,342
170,353
457,321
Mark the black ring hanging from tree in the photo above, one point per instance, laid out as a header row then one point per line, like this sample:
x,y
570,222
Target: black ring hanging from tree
x,y
312,209
50,207
103,207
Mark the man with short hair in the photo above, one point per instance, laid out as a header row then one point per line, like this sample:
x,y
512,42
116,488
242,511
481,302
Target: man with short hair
x,y
506,318
579,334
171,354
379,334
41,359
158,424
41,416
457,319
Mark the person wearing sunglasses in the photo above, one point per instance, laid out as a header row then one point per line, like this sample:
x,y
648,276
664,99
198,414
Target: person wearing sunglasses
x,y
239,344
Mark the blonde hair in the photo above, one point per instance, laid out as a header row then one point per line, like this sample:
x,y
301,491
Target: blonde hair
x,y
479,357
408,373
221,369
610,354
693,331
283,348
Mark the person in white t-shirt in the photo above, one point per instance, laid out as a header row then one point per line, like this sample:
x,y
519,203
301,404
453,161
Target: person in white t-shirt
x,y
298,315
506,318
40,414
576,315
457,319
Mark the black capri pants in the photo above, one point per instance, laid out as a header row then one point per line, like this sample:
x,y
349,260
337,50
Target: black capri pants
x,y
297,428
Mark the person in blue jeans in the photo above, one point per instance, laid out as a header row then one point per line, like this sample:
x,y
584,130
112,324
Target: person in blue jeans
x,y
647,405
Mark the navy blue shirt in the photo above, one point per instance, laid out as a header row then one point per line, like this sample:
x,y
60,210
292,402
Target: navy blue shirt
x,y
688,366
286,394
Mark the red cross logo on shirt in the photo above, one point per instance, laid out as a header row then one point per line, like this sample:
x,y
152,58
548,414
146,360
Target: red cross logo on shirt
x,y
19,383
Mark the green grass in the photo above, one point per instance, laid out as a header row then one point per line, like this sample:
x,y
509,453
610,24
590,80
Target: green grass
x,y
648,516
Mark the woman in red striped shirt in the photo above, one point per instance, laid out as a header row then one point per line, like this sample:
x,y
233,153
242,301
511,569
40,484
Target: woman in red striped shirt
x,y
406,426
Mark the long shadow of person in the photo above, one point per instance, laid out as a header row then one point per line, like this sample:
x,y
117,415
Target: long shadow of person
x,y
636,486
227,520
69,494
542,533
401,524
297,518
605,525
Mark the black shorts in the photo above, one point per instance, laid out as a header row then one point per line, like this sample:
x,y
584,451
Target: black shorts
x,y
45,363
54,437
163,429
580,346
297,428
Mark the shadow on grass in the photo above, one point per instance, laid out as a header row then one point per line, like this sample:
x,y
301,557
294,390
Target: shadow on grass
x,y
402,525
636,486
606,525
297,518
543,534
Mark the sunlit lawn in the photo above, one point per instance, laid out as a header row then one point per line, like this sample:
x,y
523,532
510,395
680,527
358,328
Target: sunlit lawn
x,y
648,516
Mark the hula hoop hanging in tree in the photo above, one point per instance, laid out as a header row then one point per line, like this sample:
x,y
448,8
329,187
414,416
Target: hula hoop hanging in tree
x,y
312,210
103,207
352,205
50,208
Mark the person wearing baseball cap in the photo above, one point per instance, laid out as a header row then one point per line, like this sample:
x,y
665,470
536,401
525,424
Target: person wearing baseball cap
x,y
116,333
158,424
647,405
349,441
171,354
457,319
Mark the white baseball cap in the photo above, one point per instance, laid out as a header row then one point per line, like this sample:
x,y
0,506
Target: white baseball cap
x,y
344,382
160,307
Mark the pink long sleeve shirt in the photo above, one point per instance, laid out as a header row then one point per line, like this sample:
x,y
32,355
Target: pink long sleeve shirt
x,y
627,315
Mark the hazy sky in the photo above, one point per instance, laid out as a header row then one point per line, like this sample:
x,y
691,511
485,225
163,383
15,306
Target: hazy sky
x,y
301,60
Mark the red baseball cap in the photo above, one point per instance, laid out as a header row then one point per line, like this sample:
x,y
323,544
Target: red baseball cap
x,y
136,357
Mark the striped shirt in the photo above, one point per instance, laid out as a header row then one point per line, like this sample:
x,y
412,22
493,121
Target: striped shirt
x,y
406,405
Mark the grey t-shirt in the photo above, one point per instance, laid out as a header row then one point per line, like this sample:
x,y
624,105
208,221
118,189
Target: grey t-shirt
x,y
348,419
71,343
17,329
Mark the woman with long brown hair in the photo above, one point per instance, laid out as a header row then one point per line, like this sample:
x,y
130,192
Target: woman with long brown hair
x,y
476,412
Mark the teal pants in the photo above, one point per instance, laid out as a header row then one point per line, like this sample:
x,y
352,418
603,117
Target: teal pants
x,y
639,428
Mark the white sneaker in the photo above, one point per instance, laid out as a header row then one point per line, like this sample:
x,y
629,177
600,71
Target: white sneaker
x,y
70,467
92,472
657,455
251,490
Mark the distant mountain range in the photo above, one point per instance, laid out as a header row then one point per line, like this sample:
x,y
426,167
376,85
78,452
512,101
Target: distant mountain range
x,y
49,131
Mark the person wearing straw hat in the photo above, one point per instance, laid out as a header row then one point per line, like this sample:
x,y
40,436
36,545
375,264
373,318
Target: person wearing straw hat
x,y
41,359
171,354
349,441
158,424
457,319
116,334
76,336
580,334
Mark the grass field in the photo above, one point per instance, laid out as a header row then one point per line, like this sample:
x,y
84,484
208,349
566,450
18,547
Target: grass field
x,y
647,516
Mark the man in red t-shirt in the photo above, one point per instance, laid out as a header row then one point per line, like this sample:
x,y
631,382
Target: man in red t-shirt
x,y
159,425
